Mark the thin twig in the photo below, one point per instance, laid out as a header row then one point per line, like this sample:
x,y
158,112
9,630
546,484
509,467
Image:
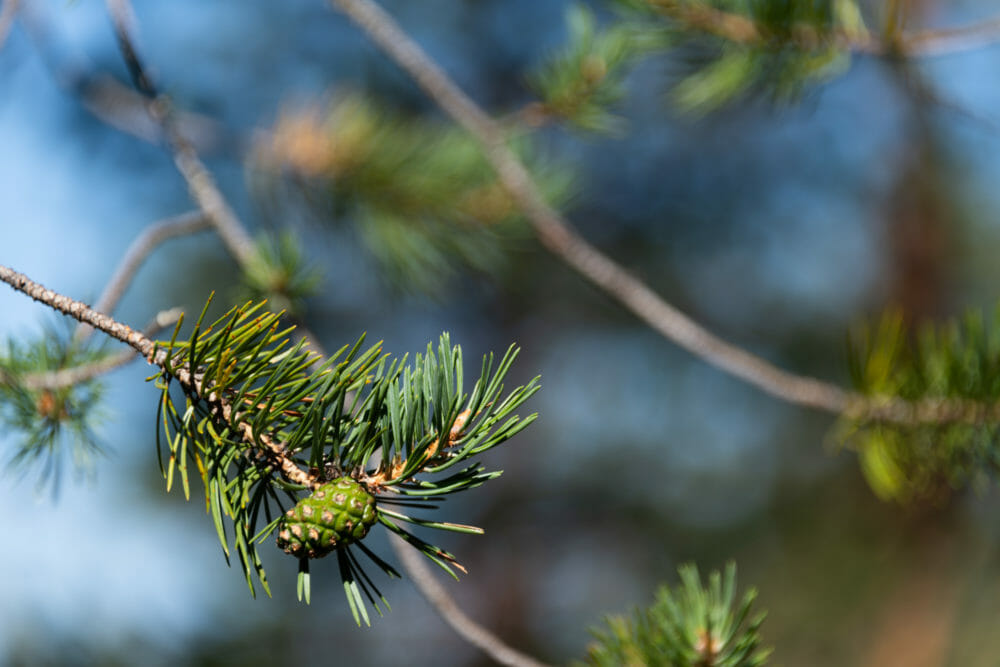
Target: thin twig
x,y
200,181
201,184
558,237
143,245
273,450
561,240
7,13
439,599
112,102
946,41
741,29
67,377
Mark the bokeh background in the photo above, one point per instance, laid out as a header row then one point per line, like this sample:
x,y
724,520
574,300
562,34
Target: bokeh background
x,y
779,228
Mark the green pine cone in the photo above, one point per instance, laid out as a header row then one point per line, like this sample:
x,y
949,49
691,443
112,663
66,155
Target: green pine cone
x,y
335,515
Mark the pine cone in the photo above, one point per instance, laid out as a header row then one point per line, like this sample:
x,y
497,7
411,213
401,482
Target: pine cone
x,y
335,515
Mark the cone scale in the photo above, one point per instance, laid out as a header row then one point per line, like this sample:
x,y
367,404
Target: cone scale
x,y
335,515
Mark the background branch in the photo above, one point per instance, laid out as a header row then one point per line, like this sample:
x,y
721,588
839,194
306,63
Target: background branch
x,y
741,29
8,10
561,240
143,245
438,597
199,179
201,185
66,377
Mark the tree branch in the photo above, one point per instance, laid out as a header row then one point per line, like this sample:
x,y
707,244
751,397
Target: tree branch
x,y
559,238
200,182
946,41
741,29
7,13
143,245
111,102
66,377
439,599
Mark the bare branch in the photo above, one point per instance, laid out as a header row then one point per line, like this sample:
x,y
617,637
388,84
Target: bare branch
x,y
111,102
200,182
559,238
946,41
7,13
143,245
438,598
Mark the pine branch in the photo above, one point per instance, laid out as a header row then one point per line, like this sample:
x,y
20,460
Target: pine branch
x,y
691,625
147,348
743,30
355,427
67,377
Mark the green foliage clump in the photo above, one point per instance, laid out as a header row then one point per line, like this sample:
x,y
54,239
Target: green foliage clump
x,y
262,421
278,273
728,49
52,417
691,626
580,82
953,369
424,199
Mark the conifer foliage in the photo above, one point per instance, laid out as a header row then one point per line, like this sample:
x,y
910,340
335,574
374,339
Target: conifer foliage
x,y
692,625
262,421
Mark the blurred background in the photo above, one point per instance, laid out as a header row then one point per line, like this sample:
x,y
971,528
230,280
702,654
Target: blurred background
x,y
779,227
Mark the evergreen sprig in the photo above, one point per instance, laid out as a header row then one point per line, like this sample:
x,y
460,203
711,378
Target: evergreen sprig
x,y
580,82
51,419
278,273
690,626
772,48
264,421
957,362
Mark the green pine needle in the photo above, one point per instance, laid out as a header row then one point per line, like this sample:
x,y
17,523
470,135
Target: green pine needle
x,y
55,423
957,361
691,625
263,420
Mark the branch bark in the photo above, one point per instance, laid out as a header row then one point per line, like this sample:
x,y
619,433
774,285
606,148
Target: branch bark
x,y
66,377
143,245
273,449
7,13
201,183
